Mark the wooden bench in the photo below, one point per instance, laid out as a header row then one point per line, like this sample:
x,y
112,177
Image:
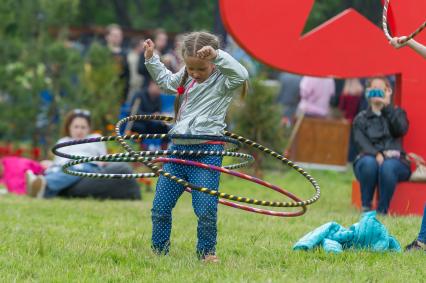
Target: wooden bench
x,y
321,141
408,198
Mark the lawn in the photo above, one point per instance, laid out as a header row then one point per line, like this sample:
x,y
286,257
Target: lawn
x,y
109,241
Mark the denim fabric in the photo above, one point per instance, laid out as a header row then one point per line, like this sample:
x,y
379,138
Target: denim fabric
x,y
422,234
57,180
385,177
205,206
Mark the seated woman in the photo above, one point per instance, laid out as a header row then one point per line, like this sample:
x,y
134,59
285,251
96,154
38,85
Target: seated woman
x,y
378,133
54,182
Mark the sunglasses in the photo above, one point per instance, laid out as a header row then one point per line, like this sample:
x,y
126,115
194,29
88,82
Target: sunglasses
x,y
375,92
81,112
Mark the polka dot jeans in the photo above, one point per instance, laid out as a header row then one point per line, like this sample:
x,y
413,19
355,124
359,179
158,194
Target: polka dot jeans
x,y
205,206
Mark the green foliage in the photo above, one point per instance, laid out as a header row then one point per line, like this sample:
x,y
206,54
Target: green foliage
x,y
91,13
172,15
323,10
59,12
22,83
32,62
101,87
29,18
178,15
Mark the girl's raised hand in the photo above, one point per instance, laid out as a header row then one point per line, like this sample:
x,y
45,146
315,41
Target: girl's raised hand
x,y
149,46
207,53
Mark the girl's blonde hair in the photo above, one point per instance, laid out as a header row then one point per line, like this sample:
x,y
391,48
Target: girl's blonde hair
x,y
193,42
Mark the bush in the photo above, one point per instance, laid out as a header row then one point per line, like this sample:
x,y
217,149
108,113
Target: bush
x,y
257,117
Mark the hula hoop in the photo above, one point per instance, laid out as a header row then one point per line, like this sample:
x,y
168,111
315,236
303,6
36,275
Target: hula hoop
x,y
55,149
385,26
242,176
158,170
150,158
120,158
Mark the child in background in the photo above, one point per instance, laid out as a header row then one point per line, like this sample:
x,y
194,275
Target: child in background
x,y
12,172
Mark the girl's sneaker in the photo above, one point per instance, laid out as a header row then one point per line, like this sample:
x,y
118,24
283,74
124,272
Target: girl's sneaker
x,y
210,259
366,209
416,245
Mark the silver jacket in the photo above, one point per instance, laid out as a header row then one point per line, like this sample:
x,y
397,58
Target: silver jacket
x,y
203,105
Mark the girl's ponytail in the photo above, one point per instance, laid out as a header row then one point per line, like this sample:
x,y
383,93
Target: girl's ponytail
x,y
182,86
244,89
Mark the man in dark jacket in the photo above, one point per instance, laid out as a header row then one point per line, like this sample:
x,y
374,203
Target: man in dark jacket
x,y
289,96
150,104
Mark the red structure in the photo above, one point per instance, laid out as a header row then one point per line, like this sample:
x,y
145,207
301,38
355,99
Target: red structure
x,y
347,45
409,198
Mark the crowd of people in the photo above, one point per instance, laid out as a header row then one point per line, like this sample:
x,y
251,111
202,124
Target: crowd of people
x,y
140,95
377,127
45,179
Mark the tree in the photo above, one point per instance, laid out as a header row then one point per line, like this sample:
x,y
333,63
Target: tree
x,y
175,16
43,77
323,10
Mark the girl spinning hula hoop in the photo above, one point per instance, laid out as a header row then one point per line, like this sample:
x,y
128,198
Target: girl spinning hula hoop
x,y
205,87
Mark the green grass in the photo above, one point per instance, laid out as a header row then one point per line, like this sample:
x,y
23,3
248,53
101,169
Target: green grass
x,y
109,241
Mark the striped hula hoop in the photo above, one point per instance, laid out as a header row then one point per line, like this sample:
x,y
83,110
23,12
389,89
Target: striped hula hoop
x,y
385,26
157,170
150,158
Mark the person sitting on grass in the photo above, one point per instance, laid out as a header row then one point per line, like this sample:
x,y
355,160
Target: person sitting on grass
x,y
12,172
76,126
204,88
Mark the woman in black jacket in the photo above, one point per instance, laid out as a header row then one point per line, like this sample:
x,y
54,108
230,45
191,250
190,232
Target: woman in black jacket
x,y
378,133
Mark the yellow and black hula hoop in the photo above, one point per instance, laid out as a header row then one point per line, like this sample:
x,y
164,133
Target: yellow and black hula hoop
x,y
150,158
